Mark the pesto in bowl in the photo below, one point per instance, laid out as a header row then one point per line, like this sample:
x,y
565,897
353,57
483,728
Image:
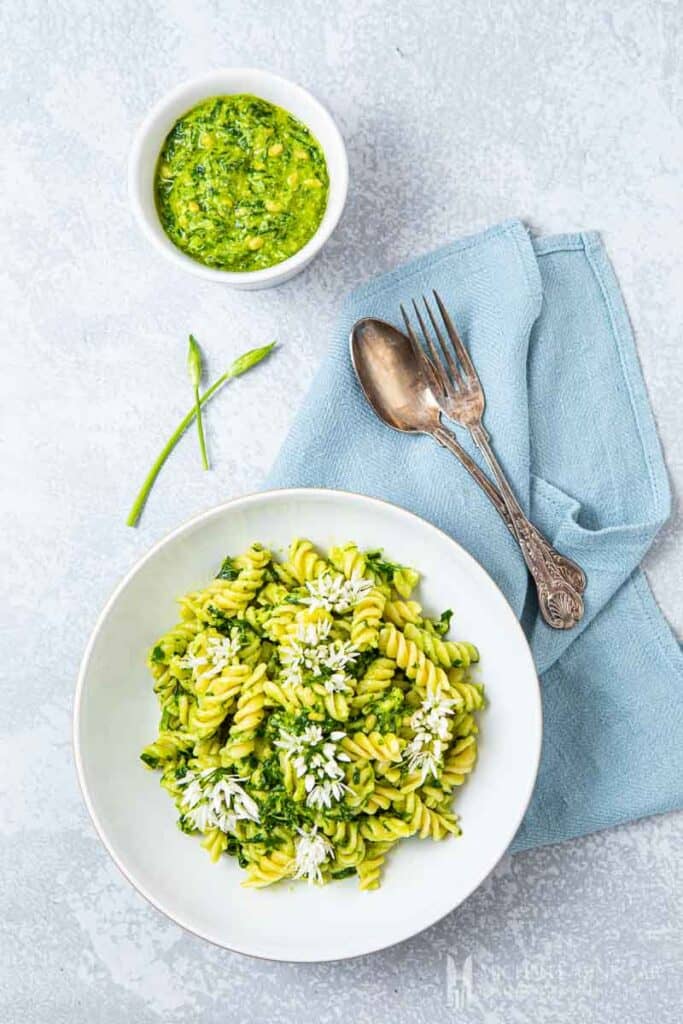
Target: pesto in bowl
x,y
240,184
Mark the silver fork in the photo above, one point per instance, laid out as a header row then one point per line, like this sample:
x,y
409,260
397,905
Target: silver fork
x,y
457,388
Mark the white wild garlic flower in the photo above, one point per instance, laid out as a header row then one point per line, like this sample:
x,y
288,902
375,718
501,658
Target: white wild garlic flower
x,y
311,634
312,850
335,593
220,652
431,725
322,660
315,759
213,800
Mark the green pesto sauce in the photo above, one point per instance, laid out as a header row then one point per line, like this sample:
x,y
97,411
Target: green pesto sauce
x,y
240,184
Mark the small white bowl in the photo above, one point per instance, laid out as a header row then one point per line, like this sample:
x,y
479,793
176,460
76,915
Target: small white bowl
x,y
223,82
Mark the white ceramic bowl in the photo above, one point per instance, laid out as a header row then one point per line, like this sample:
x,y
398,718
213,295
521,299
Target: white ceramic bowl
x,y
158,123
116,715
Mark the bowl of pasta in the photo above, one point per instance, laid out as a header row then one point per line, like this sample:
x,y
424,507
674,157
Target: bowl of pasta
x,y
307,725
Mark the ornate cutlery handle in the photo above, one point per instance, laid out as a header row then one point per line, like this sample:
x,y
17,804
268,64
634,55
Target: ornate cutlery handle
x,y
572,573
560,604
567,569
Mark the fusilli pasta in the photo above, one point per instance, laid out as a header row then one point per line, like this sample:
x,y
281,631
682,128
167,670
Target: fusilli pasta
x,y
312,714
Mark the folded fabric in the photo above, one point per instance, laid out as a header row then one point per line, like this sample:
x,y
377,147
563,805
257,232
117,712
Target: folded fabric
x,y
569,418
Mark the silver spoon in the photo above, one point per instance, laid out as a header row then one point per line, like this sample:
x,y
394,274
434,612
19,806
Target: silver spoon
x,y
395,380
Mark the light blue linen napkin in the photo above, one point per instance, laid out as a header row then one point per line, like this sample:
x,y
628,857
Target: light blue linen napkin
x,y
569,418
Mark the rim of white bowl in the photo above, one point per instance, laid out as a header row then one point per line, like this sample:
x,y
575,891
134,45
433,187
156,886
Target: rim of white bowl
x,y
246,499
339,170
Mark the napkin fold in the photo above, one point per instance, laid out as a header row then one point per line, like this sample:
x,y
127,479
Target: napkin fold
x,y
570,421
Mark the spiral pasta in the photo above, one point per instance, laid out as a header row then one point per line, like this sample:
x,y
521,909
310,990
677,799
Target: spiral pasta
x,y
427,823
366,619
442,652
369,869
402,612
312,714
415,663
377,678
381,748
348,560
304,561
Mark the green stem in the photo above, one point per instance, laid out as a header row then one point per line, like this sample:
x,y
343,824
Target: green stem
x,y
200,428
139,502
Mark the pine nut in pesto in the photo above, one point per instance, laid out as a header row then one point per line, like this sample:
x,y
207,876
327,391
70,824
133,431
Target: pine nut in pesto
x,y
240,183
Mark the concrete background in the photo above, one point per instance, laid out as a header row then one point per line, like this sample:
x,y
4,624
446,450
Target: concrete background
x,y
457,115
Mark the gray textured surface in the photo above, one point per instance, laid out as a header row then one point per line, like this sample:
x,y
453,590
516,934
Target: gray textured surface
x,y
456,116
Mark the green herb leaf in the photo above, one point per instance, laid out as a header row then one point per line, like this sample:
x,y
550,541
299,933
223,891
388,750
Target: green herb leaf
x,y
385,570
344,873
359,667
444,623
226,624
227,570
389,709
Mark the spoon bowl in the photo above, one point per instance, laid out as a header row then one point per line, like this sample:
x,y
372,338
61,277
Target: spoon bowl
x,y
393,376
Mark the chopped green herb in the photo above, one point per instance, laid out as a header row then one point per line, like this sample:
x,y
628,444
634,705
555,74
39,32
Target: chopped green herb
x,y
344,872
443,624
389,710
227,623
357,668
227,571
385,570
401,577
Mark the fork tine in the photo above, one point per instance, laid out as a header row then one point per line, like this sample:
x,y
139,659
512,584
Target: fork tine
x,y
460,350
415,344
436,380
452,365
436,359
